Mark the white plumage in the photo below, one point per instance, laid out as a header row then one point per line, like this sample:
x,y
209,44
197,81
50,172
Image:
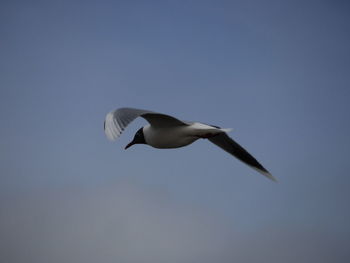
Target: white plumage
x,y
165,131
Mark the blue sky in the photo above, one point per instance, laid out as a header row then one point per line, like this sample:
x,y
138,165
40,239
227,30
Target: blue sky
x,y
277,72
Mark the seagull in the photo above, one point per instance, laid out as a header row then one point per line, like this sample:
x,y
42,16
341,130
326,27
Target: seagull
x,y
165,131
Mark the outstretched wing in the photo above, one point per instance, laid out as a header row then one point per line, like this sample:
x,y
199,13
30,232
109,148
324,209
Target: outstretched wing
x,y
229,145
117,120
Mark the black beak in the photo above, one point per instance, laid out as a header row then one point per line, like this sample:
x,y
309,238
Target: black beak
x,y
129,144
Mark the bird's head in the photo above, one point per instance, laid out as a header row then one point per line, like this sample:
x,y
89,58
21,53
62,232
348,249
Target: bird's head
x,y
139,138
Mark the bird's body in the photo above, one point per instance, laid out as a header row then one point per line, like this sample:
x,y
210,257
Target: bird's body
x,y
165,131
166,138
178,136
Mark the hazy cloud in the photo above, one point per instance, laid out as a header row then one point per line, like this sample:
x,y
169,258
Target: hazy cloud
x,y
121,223
127,222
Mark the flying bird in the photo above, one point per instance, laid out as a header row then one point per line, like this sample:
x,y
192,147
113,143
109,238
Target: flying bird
x,y
165,131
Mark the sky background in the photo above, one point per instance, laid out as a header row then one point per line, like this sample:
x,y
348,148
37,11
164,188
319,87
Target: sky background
x,y
277,72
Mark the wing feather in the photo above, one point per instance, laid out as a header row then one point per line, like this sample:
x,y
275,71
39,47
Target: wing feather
x,y
229,145
116,121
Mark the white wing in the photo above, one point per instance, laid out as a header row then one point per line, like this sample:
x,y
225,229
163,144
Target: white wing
x,y
117,120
